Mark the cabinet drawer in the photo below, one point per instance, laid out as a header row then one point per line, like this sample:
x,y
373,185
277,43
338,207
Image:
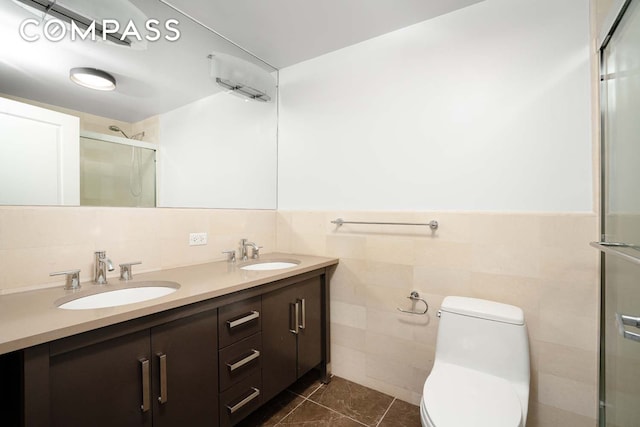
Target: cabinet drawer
x,y
240,400
239,320
240,360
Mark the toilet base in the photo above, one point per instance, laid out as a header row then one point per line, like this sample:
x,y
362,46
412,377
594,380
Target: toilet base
x,y
424,418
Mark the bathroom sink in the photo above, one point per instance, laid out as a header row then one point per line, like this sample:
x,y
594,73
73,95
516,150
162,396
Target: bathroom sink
x,y
271,264
113,296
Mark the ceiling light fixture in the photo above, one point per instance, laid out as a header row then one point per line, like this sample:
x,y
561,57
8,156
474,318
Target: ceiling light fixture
x,y
92,78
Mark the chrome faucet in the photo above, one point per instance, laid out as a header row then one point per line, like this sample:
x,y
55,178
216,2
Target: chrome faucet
x,y
102,265
244,255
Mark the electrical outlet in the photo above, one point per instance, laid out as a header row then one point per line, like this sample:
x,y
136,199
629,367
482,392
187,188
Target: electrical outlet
x,y
197,239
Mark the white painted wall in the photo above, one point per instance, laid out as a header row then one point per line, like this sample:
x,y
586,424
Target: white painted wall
x,y
219,152
487,108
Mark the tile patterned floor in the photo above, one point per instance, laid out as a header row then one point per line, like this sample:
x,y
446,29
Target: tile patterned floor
x,y
340,403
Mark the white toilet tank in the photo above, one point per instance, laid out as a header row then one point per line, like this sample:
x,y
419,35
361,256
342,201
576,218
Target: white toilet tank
x,y
485,336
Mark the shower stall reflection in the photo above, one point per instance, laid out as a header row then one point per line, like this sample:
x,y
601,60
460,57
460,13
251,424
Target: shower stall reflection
x,y
116,171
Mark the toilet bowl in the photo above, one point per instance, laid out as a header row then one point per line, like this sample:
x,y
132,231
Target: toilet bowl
x,y
480,375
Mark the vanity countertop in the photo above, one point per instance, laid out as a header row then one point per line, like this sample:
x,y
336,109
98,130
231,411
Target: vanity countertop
x,y
32,318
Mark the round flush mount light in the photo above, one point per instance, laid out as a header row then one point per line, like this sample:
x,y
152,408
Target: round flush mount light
x,y
92,78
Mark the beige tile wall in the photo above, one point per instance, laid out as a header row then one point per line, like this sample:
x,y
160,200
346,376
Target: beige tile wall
x,y
35,241
540,262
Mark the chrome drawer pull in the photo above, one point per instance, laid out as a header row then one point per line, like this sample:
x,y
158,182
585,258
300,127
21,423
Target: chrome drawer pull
x,y
146,383
163,377
244,401
296,318
254,355
252,316
303,324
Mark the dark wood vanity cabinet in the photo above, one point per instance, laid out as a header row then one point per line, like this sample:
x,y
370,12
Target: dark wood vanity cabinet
x,y
206,364
292,334
240,359
184,352
101,384
164,375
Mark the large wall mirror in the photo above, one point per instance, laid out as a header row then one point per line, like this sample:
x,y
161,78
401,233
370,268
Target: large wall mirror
x,y
192,121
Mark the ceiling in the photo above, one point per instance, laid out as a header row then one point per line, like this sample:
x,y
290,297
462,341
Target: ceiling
x,y
285,32
166,75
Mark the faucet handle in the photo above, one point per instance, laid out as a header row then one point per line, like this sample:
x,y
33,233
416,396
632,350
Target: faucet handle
x,y
126,271
256,252
72,278
231,255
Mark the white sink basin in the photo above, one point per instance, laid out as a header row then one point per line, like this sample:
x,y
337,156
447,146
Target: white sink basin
x,y
269,264
132,293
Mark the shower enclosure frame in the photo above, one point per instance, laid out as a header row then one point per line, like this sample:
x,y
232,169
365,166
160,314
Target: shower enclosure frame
x,y
613,19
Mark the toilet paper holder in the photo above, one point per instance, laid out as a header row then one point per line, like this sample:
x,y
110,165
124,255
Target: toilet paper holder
x,y
415,296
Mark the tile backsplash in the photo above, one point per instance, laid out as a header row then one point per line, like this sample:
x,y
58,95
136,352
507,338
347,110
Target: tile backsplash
x,y
35,241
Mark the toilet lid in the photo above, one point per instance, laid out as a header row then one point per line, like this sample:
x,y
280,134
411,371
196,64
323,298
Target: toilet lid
x,y
455,396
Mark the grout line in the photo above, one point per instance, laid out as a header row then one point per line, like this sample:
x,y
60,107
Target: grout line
x,y
291,411
304,399
303,396
385,412
337,412
314,391
308,398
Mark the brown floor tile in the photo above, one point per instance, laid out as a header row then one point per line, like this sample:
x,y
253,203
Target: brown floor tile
x,y
273,411
312,414
401,414
358,402
307,384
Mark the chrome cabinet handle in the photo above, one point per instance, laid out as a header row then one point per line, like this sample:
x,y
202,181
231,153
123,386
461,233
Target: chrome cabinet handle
x,y
163,378
251,316
146,382
303,304
622,320
244,401
254,355
296,318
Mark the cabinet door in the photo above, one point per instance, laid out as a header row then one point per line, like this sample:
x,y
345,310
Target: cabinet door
x,y
310,335
185,371
278,342
101,384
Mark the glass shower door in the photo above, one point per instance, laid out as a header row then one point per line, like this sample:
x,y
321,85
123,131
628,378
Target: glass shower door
x,y
620,307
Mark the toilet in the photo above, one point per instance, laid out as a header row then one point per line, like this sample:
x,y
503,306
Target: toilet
x,y
480,375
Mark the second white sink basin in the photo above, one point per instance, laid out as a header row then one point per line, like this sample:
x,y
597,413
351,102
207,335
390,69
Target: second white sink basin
x,y
132,293
258,265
